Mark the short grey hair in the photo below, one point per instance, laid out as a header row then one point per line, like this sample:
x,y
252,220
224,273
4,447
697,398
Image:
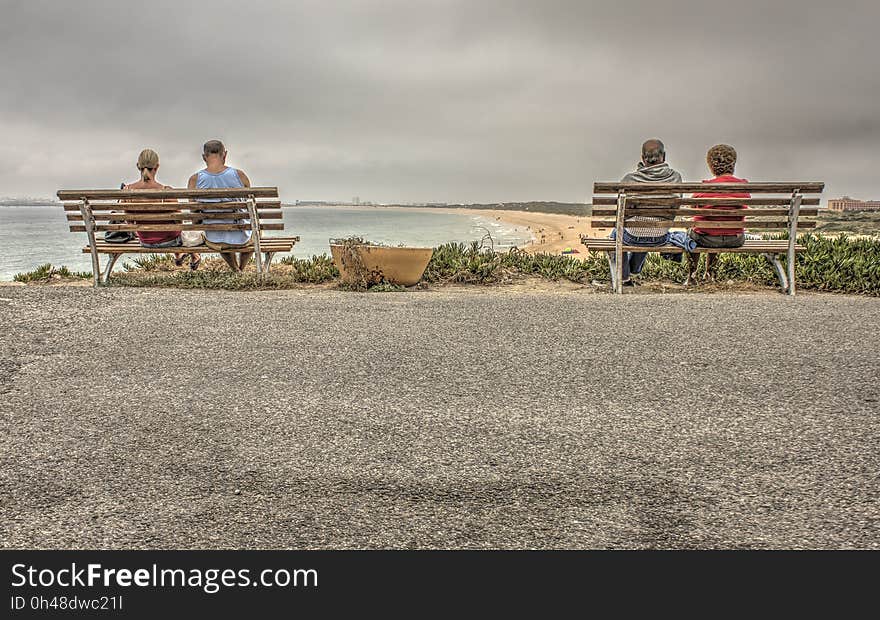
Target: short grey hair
x,y
653,152
214,147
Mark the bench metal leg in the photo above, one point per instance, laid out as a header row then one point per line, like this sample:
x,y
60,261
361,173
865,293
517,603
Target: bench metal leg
x,y
780,270
793,212
618,244
613,270
111,260
89,221
268,261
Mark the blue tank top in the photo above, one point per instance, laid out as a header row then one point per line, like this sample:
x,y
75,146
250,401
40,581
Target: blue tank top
x,y
228,178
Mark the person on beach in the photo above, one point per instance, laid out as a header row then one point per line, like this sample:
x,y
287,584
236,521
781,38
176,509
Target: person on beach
x,y
721,159
216,175
638,230
148,166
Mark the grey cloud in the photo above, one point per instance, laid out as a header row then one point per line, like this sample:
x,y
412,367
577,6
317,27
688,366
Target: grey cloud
x,y
436,100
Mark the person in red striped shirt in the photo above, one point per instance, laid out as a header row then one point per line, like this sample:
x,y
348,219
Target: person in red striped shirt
x,y
721,159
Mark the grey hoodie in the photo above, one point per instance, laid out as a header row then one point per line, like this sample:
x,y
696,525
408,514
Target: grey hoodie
x,y
657,173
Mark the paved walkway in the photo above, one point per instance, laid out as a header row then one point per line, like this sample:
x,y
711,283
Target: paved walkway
x,y
479,418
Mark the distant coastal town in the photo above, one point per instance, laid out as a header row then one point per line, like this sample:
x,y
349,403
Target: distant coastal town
x,y
27,202
851,204
844,204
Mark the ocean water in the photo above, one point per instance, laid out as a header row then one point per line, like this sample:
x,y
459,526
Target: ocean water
x,y
33,236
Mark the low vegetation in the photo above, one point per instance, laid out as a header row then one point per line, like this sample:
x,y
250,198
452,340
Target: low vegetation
x,y
47,273
840,263
851,222
289,272
472,264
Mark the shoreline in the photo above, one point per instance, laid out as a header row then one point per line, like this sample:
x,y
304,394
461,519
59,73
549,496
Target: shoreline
x,y
550,233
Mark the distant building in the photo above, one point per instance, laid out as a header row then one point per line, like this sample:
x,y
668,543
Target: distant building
x,y
851,204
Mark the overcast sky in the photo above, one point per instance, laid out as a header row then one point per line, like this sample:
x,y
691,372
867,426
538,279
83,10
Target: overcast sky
x,y
444,100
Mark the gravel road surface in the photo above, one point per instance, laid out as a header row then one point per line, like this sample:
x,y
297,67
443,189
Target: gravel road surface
x,y
477,418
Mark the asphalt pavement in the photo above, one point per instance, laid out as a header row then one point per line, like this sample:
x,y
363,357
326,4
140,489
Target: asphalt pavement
x,y
453,418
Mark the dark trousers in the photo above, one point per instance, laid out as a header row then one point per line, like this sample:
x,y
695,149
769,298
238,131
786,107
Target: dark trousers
x,y
717,241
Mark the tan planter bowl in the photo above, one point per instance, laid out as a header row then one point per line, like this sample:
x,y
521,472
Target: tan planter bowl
x,y
403,266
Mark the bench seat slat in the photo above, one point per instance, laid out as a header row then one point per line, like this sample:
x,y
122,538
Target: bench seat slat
x,y
750,246
705,224
276,244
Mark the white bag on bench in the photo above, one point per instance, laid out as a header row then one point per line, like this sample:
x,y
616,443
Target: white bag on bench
x,y
191,238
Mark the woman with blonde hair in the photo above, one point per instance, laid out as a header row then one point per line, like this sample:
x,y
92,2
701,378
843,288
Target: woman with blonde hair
x,y
148,165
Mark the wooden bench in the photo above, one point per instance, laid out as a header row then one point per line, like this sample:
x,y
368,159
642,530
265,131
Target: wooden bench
x,y
773,206
94,211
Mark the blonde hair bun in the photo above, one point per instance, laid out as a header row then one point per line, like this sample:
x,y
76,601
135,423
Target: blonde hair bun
x,y
147,160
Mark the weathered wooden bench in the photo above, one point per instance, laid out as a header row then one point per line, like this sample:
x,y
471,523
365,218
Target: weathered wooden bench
x,y
95,211
773,206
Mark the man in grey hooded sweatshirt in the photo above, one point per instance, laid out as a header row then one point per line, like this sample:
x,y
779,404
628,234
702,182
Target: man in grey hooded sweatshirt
x,y
637,229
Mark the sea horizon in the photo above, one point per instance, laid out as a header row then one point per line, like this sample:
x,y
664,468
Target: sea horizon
x,y
35,235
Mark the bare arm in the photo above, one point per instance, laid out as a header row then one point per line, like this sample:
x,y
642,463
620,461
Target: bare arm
x,y
243,178
191,184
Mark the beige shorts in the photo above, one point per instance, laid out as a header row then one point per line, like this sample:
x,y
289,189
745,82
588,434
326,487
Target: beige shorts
x,y
230,246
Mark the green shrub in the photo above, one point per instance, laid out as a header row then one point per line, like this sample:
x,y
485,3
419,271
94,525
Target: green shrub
x,y
47,272
457,262
224,280
839,264
386,287
150,262
314,270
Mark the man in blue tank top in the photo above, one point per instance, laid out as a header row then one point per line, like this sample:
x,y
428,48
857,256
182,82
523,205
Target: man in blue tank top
x,y
216,175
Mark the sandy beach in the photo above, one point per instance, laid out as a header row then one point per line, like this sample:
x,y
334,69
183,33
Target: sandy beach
x,y
551,233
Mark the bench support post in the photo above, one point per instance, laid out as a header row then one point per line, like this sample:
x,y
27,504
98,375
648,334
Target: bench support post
x,y
613,270
773,259
89,222
255,232
268,261
793,212
111,260
617,278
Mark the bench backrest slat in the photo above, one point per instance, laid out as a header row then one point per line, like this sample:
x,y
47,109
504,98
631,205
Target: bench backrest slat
x,y
171,209
174,217
671,202
806,187
170,227
635,201
161,194
684,211
99,207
